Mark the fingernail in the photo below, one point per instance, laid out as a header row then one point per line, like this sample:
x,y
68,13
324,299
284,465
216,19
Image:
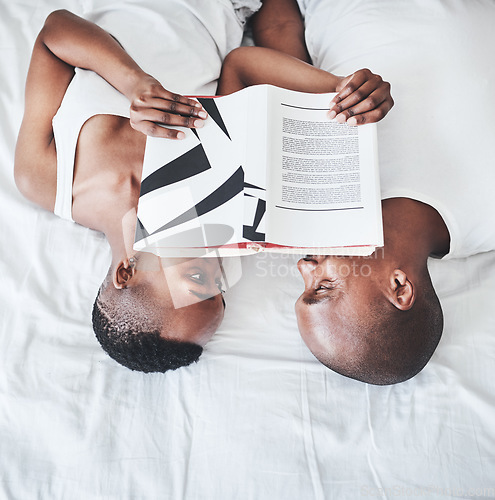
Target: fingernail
x,y
332,114
352,122
198,123
203,114
197,105
341,118
181,135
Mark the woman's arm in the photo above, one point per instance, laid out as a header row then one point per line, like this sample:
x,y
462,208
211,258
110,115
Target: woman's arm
x,y
67,41
35,165
80,43
362,97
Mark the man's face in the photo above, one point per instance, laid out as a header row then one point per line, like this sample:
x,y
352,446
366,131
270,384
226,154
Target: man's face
x,y
337,293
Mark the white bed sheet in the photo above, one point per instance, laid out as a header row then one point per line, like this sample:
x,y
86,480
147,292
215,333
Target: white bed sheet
x,y
257,417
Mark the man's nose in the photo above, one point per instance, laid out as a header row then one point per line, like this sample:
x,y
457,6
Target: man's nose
x,y
311,261
318,259
306,265
309,269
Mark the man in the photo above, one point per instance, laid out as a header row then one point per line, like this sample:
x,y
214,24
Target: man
x,y
378,319
78,154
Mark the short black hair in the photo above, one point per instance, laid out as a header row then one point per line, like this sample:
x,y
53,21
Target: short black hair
x,y
139,348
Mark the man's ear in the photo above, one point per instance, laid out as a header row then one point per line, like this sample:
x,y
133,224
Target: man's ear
x,y
402,290
122,274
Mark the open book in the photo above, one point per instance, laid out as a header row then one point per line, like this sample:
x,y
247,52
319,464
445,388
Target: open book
x,y
268,171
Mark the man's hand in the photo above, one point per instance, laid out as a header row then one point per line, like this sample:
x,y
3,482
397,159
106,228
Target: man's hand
x,y
153,106
363,97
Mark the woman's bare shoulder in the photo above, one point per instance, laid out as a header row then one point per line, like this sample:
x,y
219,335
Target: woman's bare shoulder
x,y
108,166
35,173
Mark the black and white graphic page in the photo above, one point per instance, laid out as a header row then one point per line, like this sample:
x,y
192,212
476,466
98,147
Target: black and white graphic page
x,y
323,176
191,189
250,128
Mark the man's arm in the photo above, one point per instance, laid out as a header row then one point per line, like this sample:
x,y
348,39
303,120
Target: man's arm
x,y
67,41
246,66
278,25
363,97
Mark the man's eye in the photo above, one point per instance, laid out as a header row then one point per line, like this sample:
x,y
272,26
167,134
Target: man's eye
x,y
324,286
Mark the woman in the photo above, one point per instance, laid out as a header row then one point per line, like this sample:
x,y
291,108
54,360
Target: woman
x,y
86,166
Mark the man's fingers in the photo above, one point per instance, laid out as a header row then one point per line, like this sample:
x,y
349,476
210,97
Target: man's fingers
x,y
363,102
367,93
372,116
351,84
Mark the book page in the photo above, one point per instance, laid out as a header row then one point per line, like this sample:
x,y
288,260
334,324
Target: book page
x,y
192,190
249,133
322,178
207,190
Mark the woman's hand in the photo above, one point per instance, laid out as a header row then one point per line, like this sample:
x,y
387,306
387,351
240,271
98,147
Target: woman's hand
x,y
79,43
363,97
153,106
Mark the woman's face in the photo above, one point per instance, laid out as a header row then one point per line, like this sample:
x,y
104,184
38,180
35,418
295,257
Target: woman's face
x,y
193,280
188,294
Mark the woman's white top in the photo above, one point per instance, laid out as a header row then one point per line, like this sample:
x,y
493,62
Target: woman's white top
x,y
180,42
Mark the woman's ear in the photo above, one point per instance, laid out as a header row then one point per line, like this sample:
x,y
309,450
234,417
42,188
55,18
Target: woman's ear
x,y
122,274
402,290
